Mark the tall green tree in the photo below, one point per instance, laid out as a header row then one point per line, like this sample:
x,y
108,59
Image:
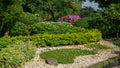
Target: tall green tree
x,y
106,3
49,9
9,12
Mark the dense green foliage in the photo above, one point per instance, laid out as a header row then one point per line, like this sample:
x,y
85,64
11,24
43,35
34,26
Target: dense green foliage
x,y
105,25
51,27
83,22
15,56
117,42
32,11
55,39
66,56
106,3
19,29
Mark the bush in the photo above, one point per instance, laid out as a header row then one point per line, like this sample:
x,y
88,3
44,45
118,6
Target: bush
x,y
28,18
19,29
83,22
106,26
56,39
117,42
15,56
6,40
51,27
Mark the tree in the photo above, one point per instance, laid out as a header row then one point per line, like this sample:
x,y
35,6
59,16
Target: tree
x,y
49,9
9,12
106,3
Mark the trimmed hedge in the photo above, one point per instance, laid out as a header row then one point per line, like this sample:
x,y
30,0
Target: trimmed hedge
x,y
15,56
56,39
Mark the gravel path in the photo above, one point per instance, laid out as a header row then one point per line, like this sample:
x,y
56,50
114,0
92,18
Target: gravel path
x,y
79,62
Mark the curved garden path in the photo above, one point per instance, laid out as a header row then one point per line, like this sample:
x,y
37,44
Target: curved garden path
x,y
79,62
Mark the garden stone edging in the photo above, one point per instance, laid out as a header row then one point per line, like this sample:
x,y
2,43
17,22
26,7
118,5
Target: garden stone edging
x,y
79,62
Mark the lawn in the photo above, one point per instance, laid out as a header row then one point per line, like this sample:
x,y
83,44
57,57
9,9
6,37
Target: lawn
x,y
66,56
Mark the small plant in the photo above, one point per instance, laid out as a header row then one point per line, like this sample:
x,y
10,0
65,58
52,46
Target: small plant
x,y
97,46
66,56
117,42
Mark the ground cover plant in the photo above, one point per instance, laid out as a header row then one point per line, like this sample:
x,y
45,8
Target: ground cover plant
x,y
66,56
117,42
16,55
97,46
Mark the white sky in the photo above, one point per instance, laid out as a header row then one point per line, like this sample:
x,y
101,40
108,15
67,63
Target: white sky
x,y
90,4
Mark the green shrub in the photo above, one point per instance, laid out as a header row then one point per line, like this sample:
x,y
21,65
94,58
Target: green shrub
x,y
58,39
66,39
15,56
28,18
4,41
66,56
19,29
106,26
117,42
51,27
83,22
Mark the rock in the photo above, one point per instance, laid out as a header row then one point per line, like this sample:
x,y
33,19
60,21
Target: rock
x,y
51,61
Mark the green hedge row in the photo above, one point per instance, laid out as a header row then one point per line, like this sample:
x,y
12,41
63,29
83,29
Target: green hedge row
x,y
55,39
15,56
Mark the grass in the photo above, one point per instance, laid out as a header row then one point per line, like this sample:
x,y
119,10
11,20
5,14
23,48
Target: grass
x,y
97,46
66,56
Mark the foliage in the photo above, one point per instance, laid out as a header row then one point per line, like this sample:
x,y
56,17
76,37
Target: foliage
x,y
106,26
19,29
106,3
97,46
88,11
15,56
51,27
70,18
48,9
5,41
66,56
113,13
83,22
28,18
9,13
56,39
117,42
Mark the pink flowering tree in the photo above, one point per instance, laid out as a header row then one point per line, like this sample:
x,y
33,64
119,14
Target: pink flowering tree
x,y
70,18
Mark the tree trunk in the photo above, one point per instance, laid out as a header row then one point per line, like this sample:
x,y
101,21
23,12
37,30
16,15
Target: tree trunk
x,y
51,11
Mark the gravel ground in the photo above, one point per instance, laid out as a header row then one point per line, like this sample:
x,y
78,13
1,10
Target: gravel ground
x,y
79,62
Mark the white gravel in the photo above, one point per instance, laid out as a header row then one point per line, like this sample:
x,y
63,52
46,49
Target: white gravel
x,y
79,62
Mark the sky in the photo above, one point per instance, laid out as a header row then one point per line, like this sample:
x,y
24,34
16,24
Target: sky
x,y
90,4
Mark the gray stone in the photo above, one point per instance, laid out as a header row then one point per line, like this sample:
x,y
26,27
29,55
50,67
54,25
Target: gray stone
x,y
51,61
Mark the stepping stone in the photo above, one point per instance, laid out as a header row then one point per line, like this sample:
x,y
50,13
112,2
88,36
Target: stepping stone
x,y
51,61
